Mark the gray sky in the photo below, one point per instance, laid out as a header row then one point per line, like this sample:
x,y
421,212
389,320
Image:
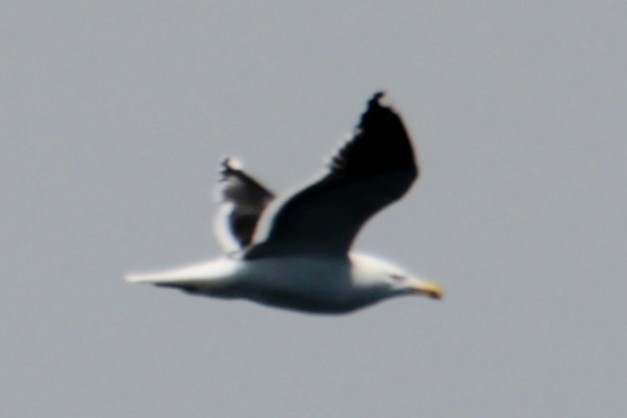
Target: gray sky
x,y
114,116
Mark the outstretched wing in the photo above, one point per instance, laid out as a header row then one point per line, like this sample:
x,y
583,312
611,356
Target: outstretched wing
x,y
372,170
243,199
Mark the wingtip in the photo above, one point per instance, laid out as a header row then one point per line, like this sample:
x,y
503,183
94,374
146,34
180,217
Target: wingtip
x,y
374,101
229,165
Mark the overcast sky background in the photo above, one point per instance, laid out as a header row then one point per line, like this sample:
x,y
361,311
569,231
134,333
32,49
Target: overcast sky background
x,y
114,116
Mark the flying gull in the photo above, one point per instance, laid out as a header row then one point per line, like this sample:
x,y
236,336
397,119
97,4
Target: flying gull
x,y
293,252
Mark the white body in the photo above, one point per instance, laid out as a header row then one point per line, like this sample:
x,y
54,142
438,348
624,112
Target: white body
x,y
332,285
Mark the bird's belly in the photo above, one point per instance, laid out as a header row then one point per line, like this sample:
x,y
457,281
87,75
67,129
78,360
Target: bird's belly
x,y
321,287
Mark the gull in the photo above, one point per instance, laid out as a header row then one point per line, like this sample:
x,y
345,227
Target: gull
x,y
294,252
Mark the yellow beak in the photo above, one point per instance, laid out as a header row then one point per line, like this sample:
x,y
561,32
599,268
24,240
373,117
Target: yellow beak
x,y
431,290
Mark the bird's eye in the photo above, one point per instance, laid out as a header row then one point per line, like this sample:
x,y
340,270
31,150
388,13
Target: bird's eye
x,y
397,277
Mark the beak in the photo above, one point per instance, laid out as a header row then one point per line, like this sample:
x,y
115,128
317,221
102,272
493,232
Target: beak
x,y
431,290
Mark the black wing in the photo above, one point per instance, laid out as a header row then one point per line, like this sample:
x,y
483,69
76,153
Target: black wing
x,y
243,200
374,169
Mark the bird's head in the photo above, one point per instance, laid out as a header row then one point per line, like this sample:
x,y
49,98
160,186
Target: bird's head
x,y
391,279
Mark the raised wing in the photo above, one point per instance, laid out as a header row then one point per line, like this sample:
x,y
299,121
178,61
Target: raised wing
x,y
243,199
373,169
